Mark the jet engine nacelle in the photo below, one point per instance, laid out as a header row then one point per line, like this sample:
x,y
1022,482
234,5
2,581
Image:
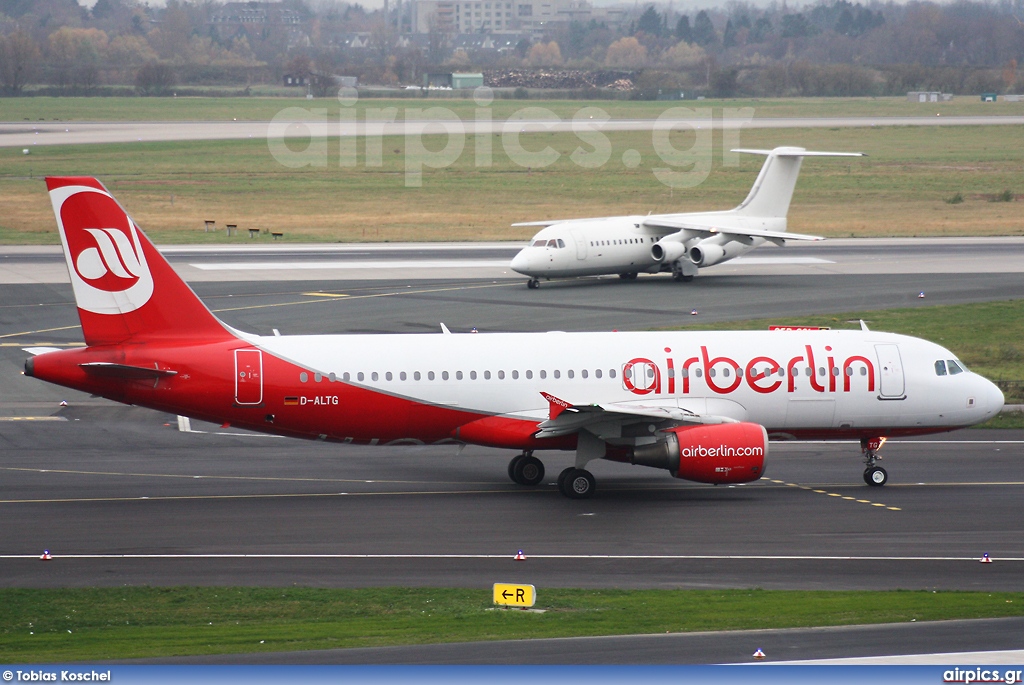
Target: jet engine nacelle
x,y
667,250
706,254
717,453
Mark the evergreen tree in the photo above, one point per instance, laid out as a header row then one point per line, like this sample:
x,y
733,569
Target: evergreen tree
x,y
649,22
683,30
729,37
703,30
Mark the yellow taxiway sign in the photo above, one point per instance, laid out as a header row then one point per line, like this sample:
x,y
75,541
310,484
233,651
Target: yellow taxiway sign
x,y
510,595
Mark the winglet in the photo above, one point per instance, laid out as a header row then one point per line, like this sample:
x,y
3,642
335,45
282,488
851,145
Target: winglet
x,y
444,329
555,405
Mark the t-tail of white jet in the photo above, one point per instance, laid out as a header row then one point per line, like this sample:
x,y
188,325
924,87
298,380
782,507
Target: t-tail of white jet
x,y
681,243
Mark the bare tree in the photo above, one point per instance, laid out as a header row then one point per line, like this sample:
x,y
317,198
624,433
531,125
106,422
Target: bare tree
x,y
19,61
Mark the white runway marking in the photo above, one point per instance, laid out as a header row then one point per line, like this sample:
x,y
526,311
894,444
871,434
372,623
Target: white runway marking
x,y
756,261
579,557
367,264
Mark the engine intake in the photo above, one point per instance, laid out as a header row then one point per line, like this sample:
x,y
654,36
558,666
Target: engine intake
x,y
707,255
718,453
667,250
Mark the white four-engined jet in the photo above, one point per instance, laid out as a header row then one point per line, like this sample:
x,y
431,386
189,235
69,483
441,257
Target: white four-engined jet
x,y
700,405
680,243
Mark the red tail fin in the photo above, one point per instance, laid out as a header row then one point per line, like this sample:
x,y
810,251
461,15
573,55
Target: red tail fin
x,y
124,288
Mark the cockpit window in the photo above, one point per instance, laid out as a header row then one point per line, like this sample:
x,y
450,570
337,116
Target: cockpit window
x,y
561,243
552,243
539,243
954,367
940,368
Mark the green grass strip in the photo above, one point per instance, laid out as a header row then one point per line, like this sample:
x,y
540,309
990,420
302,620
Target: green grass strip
x,y
129,622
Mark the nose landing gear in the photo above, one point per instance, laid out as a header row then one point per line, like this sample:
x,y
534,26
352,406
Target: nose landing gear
x,y
533,283
874,475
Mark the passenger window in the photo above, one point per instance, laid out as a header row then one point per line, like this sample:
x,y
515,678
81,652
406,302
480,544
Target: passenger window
x,y
332,377
387,376
416,375
569,373
458,375
699,372
515,375
954,368
611,373
711,373
821,370
430,375
543,374
444,375
403,376
725,372
487,375
360,376
317,377
835,370
345,377
472,375
583,373
597,374
374,376
558,374
501,375
529,374
303,377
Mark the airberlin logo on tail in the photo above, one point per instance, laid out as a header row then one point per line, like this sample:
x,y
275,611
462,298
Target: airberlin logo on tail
x,y
108,267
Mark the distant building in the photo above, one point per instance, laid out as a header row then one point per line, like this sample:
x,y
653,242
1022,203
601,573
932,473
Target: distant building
x,y
928,96
532,17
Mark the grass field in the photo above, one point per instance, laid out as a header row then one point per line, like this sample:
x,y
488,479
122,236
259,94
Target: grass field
x,y
900,189
119,623
264,108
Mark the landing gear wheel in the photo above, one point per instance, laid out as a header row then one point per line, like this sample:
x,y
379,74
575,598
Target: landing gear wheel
x,y
578,484
529,470
512,467
680,277
875,476
533,283
562,476
631,276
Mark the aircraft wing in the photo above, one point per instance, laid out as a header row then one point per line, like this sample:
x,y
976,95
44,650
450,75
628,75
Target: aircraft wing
x,y
566,419
657,222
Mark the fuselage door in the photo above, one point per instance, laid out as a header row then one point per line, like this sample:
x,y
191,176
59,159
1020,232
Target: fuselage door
x,y
581,244
248,376
890,368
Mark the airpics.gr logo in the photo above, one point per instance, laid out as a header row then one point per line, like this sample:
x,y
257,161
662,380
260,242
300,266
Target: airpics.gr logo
x,y
108,268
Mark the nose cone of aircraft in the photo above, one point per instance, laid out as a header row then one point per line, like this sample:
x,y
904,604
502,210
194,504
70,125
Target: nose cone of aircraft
x,y
991,399
521,262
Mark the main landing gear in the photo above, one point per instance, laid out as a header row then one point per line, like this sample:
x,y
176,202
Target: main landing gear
x,y
874,475
526,469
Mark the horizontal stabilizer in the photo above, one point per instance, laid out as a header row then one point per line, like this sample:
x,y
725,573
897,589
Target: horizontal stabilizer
x,y
36,351
111,370
796,152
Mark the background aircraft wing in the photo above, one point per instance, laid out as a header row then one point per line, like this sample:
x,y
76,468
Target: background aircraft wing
x,y
658,222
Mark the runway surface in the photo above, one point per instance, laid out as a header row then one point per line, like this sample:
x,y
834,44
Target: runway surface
x,y
27,134
122,495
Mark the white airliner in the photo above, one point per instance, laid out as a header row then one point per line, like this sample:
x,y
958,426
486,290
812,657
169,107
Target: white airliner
x,y
700,405
680,243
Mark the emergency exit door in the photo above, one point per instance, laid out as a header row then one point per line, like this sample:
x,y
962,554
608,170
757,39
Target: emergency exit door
x,y
248,376
890,366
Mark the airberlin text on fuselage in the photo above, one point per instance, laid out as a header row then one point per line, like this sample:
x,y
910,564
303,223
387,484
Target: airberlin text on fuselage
x,y
762,374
